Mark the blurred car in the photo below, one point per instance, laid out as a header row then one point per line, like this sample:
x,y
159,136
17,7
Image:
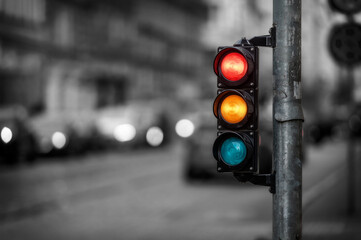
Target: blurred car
x,y
329,127
17,143
62,133
198,137
138,124
317,132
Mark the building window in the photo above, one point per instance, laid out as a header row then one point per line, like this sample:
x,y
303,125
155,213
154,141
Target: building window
x,y
63,28
111,92
32,11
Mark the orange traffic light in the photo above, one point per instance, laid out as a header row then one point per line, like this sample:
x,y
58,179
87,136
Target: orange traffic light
x,y
233,109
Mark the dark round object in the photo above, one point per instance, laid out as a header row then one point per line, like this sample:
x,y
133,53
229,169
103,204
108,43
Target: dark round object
x,y
345,43
346,6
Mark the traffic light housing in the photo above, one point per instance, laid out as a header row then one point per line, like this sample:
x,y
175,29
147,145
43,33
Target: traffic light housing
x,y
236,108
347,7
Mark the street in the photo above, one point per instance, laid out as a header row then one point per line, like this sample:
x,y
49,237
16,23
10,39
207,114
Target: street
x,y
127,119
141,195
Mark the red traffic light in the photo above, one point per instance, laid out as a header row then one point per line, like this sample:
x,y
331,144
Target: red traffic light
x,y
233,65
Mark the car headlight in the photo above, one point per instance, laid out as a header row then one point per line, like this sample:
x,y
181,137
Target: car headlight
x,y
6,134
58,139
184,128
155,136
124,132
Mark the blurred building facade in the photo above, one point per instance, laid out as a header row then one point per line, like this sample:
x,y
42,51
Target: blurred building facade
x,y
60,55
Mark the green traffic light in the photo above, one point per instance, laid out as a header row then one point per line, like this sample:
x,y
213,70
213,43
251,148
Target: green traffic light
x,y
233,151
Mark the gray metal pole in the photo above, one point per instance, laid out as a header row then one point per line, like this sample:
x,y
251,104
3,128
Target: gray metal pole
x,y
287,120
351,148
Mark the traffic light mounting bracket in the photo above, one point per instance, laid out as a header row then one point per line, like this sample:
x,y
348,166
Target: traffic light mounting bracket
x,y
260,41
258,179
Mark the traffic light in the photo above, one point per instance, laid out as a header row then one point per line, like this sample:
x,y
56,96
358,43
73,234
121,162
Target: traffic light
x,y
348,7
345,38
236,108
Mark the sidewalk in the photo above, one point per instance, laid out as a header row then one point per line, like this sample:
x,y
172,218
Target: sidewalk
x,y
346,228
327,217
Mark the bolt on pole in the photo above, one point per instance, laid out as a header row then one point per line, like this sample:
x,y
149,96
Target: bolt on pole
x,y
287,120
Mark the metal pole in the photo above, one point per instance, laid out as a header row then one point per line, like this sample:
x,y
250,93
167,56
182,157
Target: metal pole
x,y
351,148
287,120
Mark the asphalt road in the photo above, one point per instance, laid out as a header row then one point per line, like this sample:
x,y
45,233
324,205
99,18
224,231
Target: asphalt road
x,y
141,195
